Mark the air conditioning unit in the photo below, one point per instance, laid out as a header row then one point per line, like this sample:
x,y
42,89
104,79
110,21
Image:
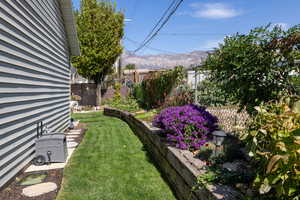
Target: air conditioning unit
x,y
49,147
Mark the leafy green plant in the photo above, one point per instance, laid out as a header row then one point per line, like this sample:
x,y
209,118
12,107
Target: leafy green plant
x,y
209,93
218,175
152,92
180,96
75,98
273,140
138,93
128,104
130,67
117,92
256,67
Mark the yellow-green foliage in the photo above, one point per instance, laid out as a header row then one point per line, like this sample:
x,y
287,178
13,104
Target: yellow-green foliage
x,y
273,139
100,29
117,94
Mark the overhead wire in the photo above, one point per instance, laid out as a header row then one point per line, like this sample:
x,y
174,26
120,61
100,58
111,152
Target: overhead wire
x,y
161,23
149,47
191,34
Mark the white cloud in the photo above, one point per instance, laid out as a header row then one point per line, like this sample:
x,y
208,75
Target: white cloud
x,y
211,44
213,11
283,26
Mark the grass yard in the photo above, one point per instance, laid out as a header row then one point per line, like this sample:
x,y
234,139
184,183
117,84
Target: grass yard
x,y
147,116
110,164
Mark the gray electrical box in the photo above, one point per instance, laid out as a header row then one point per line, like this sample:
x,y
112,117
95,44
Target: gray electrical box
x,y
51,148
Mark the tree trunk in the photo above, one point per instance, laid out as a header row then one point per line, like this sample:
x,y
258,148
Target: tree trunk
x,y
98,94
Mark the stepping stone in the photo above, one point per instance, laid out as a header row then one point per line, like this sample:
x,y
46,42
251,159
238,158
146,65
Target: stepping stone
x,y
33,179
39,189
72,144
74,132
70,139
72,136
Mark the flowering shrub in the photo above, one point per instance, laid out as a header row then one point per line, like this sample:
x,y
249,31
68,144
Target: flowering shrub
x,y
186,127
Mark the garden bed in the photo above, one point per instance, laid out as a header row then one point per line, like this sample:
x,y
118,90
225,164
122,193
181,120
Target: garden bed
x,y
179,167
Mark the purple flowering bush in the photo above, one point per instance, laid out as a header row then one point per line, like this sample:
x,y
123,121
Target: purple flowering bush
x,y
186,127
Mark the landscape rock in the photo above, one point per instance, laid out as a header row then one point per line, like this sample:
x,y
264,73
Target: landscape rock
x,y
39,189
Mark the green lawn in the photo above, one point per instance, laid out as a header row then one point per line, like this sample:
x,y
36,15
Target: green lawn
x,y
110,164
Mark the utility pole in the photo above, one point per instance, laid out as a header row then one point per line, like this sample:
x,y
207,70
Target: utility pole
x,y
196,85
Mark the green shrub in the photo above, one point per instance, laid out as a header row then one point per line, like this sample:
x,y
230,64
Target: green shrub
x,y
181,96
128,104
273,139
209,93
117,93
152,92
138,93
256,67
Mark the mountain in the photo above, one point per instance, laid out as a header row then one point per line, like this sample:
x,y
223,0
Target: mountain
x,y
164,61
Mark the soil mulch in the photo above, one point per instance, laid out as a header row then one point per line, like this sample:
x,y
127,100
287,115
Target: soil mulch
x,y
13,191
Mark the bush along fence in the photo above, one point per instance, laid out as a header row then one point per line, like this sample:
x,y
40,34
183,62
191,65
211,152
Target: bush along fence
x,y
152,92
179,167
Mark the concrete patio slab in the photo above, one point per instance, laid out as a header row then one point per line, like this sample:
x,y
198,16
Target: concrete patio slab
x,y
72,144
39,189
34,168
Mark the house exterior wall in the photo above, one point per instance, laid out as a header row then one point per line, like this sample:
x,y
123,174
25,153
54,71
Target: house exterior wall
x,y
193,79
34,78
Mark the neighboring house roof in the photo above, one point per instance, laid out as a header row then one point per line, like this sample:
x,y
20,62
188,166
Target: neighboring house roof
x,y
70,26
131,71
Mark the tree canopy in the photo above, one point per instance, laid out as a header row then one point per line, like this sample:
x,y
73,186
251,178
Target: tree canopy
x,y
256,67
130,66
100,29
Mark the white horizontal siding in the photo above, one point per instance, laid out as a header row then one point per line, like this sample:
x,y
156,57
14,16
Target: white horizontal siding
x,y
34,78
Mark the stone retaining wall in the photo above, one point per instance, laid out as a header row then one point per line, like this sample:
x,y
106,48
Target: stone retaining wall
x,y
179,167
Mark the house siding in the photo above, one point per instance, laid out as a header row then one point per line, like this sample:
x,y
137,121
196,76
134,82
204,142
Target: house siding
x,y
34,78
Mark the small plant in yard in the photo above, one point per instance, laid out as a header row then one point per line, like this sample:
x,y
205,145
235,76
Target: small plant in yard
x,y
186,127
117,93
218,175
273,139
75,98
128,104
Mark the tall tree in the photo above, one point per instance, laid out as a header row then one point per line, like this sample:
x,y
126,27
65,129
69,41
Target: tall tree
x,y
100,29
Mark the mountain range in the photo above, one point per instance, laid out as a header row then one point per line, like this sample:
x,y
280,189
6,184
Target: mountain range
x,y
164,61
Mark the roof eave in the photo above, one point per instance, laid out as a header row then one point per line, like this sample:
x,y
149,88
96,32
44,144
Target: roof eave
x,y
70,26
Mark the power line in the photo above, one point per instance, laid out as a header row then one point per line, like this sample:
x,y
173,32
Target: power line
x,y
135,6
149,47
164,19
159,21
191,34
162,25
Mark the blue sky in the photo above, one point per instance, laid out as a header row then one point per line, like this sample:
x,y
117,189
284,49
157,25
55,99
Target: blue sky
x,y
200,24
